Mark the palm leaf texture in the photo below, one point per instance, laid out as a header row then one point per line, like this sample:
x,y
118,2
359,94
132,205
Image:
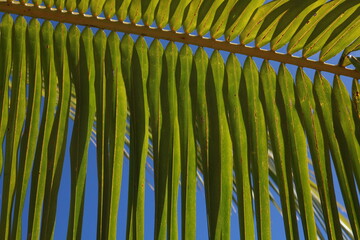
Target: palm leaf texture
x,y
245,132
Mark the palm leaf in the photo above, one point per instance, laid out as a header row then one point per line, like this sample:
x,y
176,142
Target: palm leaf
x,y
257,137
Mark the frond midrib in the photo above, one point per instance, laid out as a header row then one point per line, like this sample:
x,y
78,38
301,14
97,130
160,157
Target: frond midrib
x,y
109,24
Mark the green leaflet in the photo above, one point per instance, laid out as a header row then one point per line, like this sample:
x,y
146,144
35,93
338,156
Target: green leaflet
x,y
262,19
356,106
126,46
41,162
258,156
149,11
58,136
187,144
354,46
344,125
153,87
345,61
122,9
165,135
220,159
335,19
70,5
290,22
273,20
85,112
201,120
322,94
239,146
127,53
97,7
109,8
36,2
298,41
206,15
48,3
101,124
59,4
355,61
177,13
135,11
83,5
74,65
191,18
116,120
73,44
28,142
5,67
16,117
170,136
239,16
319,154
139,142
162,13
341,37
268,93
218,28
296,148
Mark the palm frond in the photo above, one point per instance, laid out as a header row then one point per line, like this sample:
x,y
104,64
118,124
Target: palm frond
x,y
249,131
